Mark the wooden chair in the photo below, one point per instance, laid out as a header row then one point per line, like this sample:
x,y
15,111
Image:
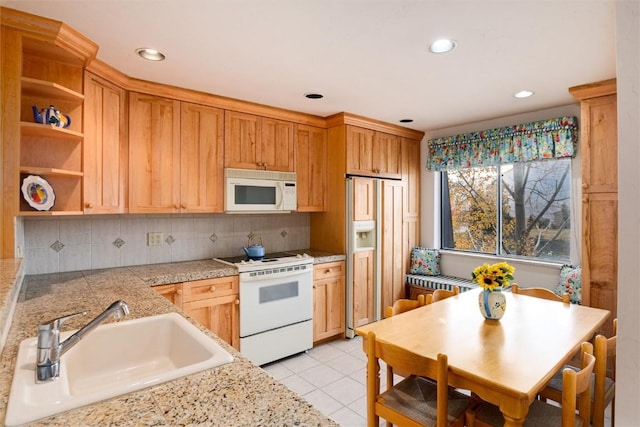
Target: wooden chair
x,y
604,385
402,305
540,293
416,400
576,386
440,294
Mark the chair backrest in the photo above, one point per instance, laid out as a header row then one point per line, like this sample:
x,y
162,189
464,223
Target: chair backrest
x,y
440,294
605,352
540,293
576,386
402,305
399,358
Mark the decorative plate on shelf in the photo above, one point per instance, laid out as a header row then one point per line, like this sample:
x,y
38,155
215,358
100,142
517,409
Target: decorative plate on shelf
x,y
38,192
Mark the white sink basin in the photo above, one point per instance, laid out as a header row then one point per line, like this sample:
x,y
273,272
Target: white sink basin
x,y
114,359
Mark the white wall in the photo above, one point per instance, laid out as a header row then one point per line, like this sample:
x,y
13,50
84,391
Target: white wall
x,y
528,273
628,350
91,241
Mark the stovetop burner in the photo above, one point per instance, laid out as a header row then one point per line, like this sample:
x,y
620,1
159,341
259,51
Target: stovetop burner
x,y
267,258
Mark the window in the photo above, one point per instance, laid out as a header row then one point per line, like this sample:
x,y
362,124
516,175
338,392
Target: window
x,y
519,209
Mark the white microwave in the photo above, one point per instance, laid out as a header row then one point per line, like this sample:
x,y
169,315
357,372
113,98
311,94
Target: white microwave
x,y
256,191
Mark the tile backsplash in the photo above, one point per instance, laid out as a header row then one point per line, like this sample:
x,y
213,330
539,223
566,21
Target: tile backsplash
x,y
53,245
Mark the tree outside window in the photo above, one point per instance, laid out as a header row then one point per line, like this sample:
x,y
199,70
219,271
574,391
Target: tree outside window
x,y
520,209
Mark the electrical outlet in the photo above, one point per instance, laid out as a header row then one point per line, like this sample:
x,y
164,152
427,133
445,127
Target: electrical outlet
x,y
154,239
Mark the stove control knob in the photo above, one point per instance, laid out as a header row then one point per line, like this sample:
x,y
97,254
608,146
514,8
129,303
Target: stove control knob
x,y
305,255
298,256
243,262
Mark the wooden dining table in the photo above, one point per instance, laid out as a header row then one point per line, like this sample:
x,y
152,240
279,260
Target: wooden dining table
x,y
505,362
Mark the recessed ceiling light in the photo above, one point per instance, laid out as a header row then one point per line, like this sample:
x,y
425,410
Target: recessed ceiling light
x,y
406,120
150,54
523,94
442,46
314,95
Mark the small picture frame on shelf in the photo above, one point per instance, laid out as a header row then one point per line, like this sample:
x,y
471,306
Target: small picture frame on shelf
x,y
38,193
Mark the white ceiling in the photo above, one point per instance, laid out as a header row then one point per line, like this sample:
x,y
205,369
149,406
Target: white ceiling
x,y
367,57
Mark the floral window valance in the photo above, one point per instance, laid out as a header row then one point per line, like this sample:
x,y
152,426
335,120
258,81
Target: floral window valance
x,y
544,139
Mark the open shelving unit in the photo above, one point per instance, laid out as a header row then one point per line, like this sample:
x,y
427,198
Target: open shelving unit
x,y
52,76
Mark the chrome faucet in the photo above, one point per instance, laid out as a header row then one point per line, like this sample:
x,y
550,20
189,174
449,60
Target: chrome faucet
x,y
50,349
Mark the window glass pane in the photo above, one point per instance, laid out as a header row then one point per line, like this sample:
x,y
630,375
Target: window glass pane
x,y
536,201
472,203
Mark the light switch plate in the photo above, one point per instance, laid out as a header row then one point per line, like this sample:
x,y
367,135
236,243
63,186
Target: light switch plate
x,y
154,239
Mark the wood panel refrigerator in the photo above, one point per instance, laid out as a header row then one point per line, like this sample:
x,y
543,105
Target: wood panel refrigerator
x,y
375,244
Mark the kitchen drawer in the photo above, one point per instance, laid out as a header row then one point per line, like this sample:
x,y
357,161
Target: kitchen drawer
x,y
328,270
209,288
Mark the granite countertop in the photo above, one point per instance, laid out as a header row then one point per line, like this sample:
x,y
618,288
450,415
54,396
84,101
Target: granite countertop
x,y
320,257
236,394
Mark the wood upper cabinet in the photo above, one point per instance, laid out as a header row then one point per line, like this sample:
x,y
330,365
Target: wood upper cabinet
x,y
277,150
311,168
328,300
387,155
174,153
599,145
254,142
359,151
201,158
373,153
154,154
214,303
105,153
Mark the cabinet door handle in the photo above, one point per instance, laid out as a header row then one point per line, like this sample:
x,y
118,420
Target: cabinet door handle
x,y
212,289
327,271
183,206
176,206
237,301
88,205
179,292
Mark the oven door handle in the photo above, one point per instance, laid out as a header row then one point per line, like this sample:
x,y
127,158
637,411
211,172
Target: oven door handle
x,y
253,276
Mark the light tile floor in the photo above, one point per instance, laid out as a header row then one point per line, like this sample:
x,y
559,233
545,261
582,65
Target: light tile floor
x,y
332,377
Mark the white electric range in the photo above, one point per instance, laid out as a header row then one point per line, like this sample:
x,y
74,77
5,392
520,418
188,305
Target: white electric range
x,y
276,305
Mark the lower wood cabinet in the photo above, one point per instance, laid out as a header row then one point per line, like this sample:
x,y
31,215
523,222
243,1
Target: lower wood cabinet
x,y
328,300
171,292
214,303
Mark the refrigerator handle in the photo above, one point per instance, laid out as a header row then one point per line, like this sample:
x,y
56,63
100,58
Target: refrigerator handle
x,y
378,255
350,327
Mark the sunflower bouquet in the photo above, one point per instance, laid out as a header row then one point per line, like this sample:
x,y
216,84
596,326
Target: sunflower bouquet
x,y
493,277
